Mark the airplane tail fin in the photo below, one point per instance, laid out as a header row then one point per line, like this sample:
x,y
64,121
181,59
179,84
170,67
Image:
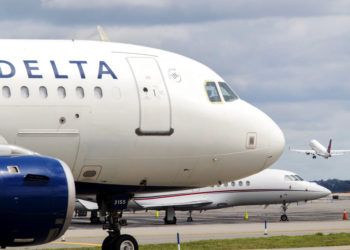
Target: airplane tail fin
x,y
329,146
103,35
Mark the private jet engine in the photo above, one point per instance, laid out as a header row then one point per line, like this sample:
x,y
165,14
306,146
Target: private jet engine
x,y
37,198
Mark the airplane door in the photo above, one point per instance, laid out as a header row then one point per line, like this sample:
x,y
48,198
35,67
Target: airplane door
x,y
155,110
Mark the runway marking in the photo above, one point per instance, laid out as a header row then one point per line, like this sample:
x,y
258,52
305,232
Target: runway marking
x,y
76,243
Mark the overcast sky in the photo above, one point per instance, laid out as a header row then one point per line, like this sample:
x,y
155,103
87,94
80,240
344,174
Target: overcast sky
x,y
289,58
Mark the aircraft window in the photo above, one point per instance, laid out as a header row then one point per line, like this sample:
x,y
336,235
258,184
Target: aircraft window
x,y
212,92
226,184
288,178
297,178
233,184
43,92
240,183
6,92
61,92
227,92
301,179
80,92
24,92
247,183
294,178
98,92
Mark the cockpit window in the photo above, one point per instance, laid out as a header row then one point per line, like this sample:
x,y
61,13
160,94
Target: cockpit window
x,y
288,178
293,178
227,92
212,92
298,177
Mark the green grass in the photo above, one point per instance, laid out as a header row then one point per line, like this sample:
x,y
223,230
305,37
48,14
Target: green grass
x,y
316,240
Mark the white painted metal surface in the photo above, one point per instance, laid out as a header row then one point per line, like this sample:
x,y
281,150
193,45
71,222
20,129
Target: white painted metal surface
x,y
98,128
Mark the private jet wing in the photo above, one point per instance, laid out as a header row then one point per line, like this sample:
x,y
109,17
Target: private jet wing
x,y
87,205
175,204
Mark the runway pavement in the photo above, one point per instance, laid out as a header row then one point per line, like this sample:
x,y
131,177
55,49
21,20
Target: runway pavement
x,y
319,216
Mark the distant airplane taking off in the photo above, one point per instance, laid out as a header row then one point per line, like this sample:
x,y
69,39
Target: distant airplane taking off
x,y
318,149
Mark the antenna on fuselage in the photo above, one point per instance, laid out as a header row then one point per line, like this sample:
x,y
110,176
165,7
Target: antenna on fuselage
x,y
103,35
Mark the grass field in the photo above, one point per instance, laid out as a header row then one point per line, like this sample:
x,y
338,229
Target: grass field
x,y
316,240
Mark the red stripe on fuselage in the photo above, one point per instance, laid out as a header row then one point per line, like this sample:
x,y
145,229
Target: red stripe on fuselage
x,y
217,191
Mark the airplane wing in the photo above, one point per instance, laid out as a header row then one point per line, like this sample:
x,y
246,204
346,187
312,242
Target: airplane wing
x,y
184,205
307,151
340,152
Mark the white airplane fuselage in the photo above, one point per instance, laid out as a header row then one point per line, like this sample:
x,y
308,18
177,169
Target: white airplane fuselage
x,y
319,149
128,115
271,186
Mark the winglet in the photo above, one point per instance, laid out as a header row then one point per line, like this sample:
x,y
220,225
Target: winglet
x,y
103,35
329,146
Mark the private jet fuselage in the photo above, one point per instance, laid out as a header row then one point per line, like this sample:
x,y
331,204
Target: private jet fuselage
x,y
270,186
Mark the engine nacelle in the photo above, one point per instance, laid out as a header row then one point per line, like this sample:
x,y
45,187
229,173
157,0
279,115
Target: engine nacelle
x,y
37,198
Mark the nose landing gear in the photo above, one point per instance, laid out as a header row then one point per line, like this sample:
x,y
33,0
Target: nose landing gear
x,y
284,216
112,208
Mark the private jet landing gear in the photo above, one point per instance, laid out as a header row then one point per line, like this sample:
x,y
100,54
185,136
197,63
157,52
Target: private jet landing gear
x,y
189,218
314,157
94,218
113,208
170,218
284,216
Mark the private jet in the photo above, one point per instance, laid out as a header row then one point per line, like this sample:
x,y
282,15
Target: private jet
x,y
270,186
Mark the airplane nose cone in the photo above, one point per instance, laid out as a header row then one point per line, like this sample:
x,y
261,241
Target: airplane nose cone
x,y
277,142
325,191
320,191
270,137
273,136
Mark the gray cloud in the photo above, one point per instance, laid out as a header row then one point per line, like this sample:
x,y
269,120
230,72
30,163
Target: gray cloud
x,y
141,12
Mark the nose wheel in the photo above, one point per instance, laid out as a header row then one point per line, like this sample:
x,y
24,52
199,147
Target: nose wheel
x,y
284,217
124,241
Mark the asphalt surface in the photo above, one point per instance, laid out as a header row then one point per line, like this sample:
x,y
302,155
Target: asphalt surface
x,y
318,216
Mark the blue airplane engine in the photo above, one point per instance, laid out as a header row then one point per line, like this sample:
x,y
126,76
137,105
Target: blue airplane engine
x,y
37,197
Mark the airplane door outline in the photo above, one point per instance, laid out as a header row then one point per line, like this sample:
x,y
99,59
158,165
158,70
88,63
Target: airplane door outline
x,y
154,101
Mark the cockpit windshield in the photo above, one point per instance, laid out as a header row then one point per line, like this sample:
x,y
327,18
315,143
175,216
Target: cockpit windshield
x,y
300,179
212,92
227,92
288,178
292,178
